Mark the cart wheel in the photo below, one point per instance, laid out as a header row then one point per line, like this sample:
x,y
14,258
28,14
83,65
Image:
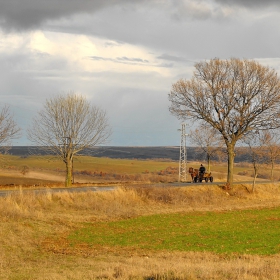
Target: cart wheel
x,y
211,179
206,179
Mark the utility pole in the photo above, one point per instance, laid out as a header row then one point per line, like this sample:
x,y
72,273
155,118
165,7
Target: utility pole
x,y
183,155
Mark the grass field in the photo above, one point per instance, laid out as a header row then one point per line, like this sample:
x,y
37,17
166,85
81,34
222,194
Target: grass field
x,y
18,170
85,163
140,231
244,232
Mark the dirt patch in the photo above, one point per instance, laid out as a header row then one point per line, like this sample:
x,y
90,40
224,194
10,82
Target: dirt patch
x,y
14,178
10,178
45,176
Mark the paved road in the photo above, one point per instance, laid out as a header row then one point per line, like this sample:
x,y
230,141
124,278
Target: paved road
x,y
188,184
109,188
55,190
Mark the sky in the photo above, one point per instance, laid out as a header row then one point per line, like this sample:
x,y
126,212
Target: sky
x,y
124,55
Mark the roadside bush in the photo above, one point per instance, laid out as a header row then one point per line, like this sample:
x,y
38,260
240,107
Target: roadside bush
x,y
86,172
263,176
24,170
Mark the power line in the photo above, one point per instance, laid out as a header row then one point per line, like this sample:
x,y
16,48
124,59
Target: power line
x,y
183,155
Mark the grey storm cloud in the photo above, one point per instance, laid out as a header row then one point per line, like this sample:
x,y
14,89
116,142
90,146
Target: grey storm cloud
x,y
29,14
249,3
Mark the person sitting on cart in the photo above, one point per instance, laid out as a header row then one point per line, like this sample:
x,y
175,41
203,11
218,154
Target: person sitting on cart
x,y
202,169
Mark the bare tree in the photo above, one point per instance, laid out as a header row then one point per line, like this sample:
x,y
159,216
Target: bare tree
x,y
270,141
8,128
256,152
208,140
67,125
234,96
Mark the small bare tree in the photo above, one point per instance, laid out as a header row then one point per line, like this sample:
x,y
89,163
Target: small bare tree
x,y
234,96
8,129
67,125
208,140
256,152
270,141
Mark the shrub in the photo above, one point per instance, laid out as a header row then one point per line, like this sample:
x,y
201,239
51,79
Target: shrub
x,y
86,172
263,176
24,170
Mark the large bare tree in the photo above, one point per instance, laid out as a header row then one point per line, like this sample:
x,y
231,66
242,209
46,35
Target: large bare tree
x,y
67,125
234,96
8,128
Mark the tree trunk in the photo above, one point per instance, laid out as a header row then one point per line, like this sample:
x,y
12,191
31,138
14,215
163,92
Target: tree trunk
x,y
271,171
255,177
231,155
69,169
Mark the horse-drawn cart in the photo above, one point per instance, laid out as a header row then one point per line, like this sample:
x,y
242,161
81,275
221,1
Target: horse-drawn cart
x,y
200,176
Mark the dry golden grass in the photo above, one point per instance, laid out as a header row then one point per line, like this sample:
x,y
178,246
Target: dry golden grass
x,y
33,230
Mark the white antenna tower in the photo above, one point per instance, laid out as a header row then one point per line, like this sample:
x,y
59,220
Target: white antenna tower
x,y
183,155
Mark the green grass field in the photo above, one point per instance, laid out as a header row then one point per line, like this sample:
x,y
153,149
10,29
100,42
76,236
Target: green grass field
x,y
244,232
